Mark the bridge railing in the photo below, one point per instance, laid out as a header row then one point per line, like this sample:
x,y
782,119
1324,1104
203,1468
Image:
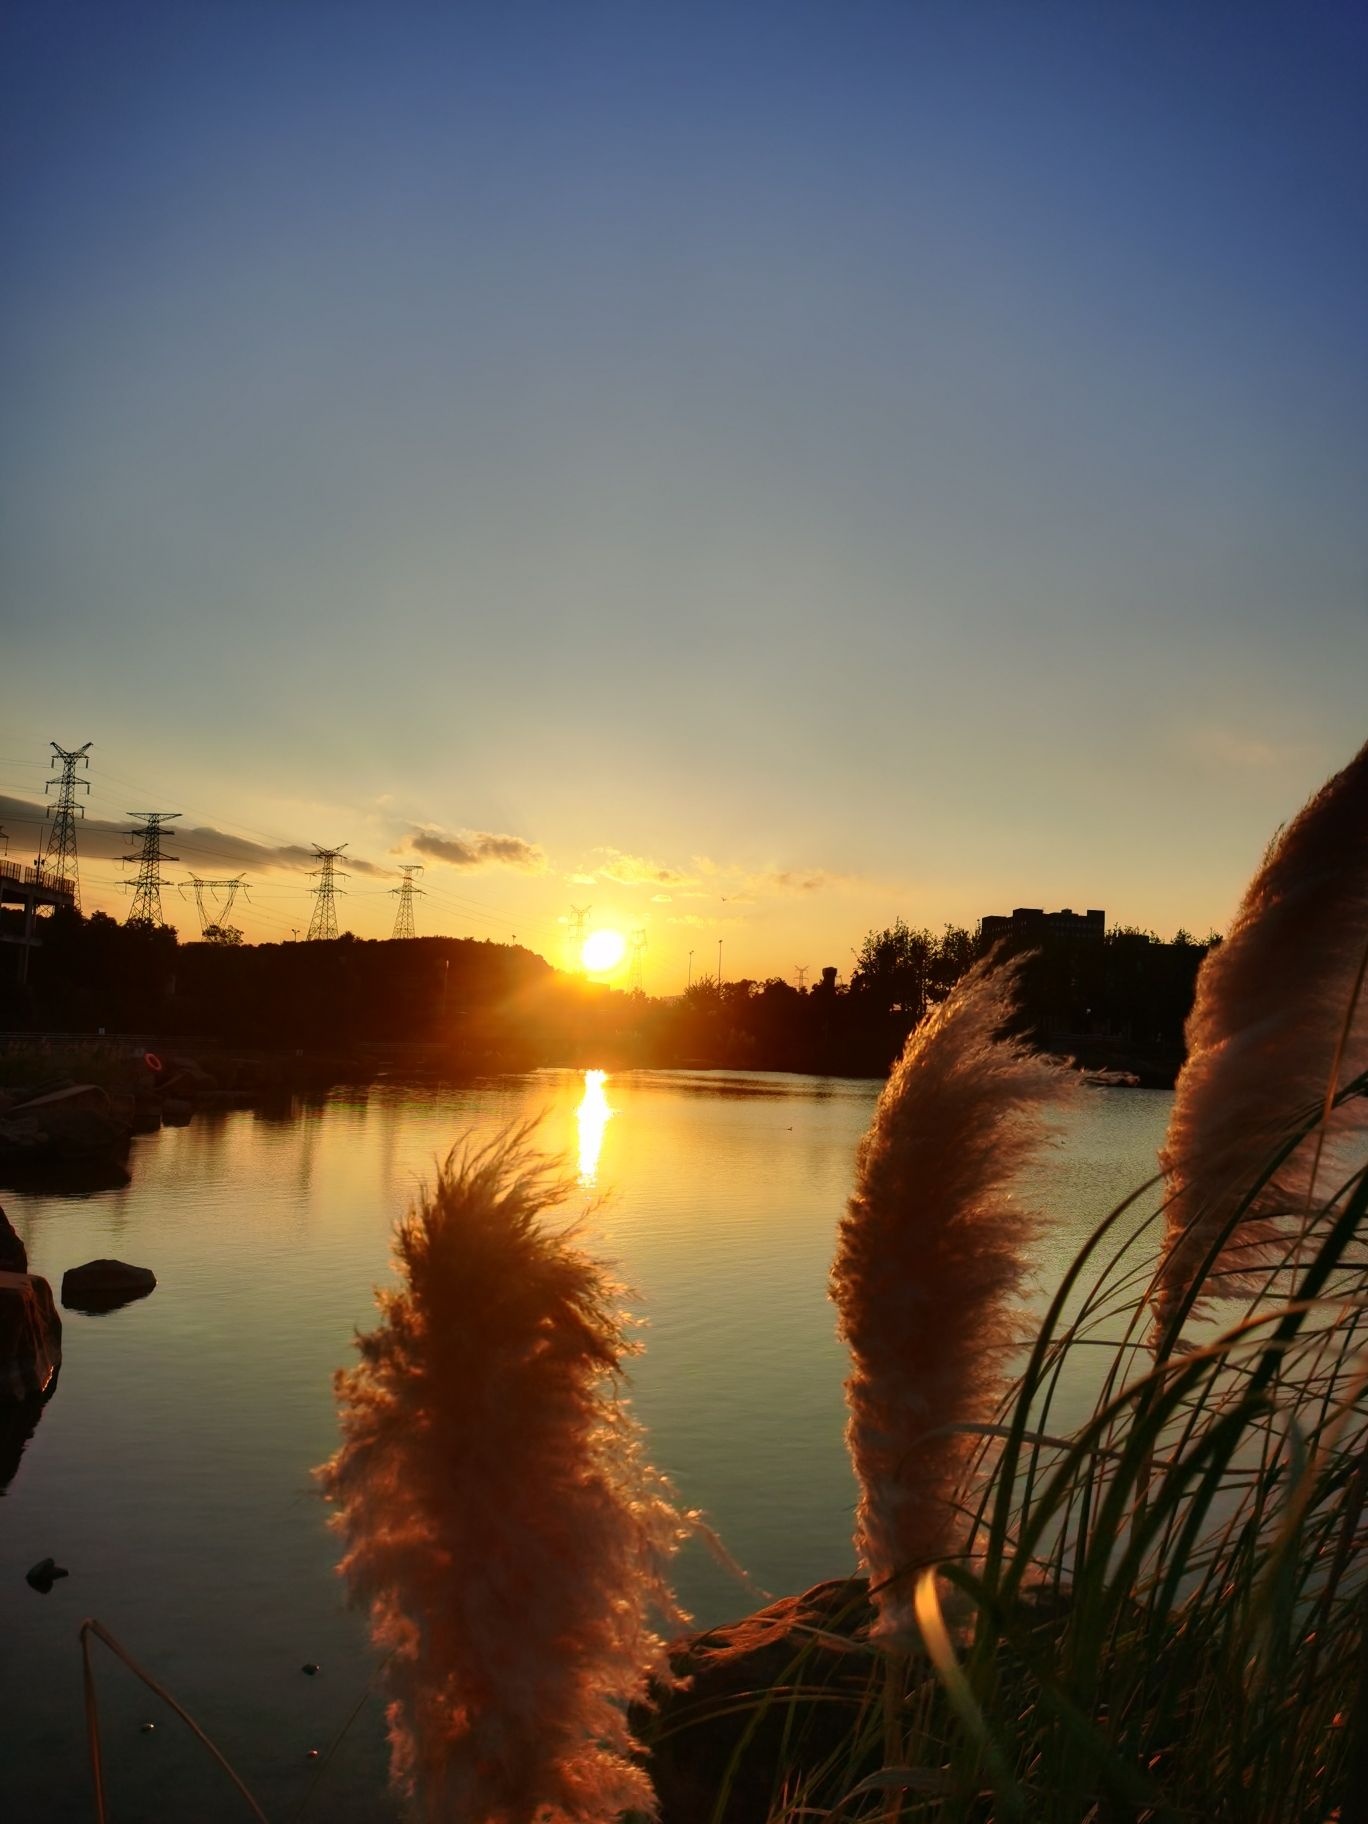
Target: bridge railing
x,y
35,877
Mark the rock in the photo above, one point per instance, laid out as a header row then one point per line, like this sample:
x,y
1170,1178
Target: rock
x,y
30,1336
75,1095
145,1116
13,1253
44,1574
18,1422
20,1139
101,1285
80,1131
781,1690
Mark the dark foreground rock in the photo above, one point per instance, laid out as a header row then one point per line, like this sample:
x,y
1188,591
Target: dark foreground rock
x,y
13,1253
30,1336
775,1695
76,1125
101,1285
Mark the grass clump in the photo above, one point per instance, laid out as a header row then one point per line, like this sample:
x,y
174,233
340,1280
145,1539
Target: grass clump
x,y
498,1513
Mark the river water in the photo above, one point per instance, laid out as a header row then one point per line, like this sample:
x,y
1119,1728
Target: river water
x,y
170,1471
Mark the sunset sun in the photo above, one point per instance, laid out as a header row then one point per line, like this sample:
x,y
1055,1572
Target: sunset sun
x,y
602,952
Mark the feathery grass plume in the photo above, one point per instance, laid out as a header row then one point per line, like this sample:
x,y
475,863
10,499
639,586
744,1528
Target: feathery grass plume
x,y
498,1513
930,1253
1279,1021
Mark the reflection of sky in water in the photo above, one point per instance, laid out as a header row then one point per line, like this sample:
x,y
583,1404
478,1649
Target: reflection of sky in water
x,y
592,1116
170,1472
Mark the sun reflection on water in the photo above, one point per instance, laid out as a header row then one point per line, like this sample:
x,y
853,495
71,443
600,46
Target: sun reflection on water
x,y
593,1115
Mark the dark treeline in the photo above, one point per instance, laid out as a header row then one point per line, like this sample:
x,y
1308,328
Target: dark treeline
x,y
1118,1000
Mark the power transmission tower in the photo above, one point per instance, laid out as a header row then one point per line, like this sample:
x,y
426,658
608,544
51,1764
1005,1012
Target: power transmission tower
x,y
638,946
403,915
58,860
214,926
801,971
575,935
146,907
323,924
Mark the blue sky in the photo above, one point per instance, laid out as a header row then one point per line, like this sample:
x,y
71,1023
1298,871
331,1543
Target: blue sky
x,y
780,467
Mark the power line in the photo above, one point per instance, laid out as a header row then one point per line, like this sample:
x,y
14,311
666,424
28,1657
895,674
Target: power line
x,y
146,907
58,860
403,914
214,926
323,924
638,949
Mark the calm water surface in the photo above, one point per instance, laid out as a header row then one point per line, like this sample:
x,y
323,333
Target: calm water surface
x,y
170,1472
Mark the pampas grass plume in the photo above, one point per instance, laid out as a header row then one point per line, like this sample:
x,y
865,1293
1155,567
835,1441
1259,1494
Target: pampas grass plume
x,y
498,1514
930,1255
1264,1044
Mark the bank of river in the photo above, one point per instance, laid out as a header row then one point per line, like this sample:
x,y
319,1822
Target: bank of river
x,y
170,1472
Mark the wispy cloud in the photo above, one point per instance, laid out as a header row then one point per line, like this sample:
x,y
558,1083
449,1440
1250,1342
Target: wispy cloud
x,y
636,870
199,845
802,880
478,849
1239,752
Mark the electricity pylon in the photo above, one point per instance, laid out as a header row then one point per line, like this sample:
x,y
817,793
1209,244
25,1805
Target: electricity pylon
x,y
214,926
800,970
323,924
146,907
58,860
403,914
574,937
638,948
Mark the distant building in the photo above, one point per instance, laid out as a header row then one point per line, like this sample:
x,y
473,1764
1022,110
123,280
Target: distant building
x,y
1031,925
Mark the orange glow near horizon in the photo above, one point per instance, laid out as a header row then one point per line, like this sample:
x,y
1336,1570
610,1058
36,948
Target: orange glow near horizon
x,y
592,1115
602,951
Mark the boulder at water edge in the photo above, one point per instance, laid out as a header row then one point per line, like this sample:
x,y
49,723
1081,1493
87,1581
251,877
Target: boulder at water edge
x,y
30,1336
776,1697
100,1285
13,1253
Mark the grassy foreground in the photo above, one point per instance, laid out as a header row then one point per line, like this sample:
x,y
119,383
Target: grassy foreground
x,y
1159,1615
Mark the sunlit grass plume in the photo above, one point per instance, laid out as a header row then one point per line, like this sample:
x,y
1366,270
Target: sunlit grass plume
x,y
498,1513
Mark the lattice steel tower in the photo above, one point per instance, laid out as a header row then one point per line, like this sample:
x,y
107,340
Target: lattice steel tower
x,y
574,937
403,913
214,926
146,907
323,924
58,859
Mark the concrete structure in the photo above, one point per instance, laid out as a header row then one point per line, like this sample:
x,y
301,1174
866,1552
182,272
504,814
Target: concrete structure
x,y
30,888
1030,925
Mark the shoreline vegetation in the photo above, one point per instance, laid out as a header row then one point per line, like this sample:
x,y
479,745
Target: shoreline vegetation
x,y
468,1006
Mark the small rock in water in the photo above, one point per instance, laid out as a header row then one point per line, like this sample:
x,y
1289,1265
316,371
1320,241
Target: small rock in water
x,y
309,1667
44,1574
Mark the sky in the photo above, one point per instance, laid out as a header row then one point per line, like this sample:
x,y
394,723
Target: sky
x,y
756,471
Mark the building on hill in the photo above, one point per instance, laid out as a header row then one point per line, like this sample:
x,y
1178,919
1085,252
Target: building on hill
x,y
1032,925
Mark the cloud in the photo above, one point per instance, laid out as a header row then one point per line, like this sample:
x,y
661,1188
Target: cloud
x,y
636,870
1245,753
661,899
202,848
809,880
478,849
